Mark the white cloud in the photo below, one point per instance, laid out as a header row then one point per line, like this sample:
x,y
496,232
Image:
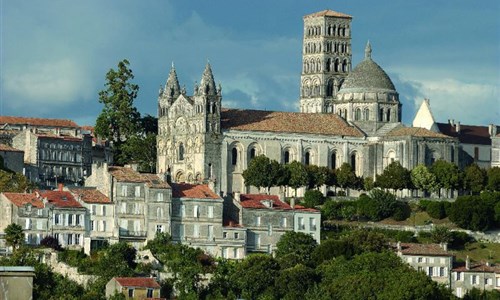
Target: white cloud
x,y
56,82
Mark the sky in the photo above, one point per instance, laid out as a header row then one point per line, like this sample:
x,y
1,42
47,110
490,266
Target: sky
x,y
54,55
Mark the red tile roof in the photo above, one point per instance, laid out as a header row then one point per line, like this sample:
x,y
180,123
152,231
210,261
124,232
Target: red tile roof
x,y
291,122
126,174
4,147
20,199
468,134
198,191
144,282
417,132
328,13
90,195
476,267
423,249
37,121
59,137
302,208
61,199
256,201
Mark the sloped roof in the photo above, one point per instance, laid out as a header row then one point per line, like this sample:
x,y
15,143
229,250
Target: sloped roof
x,y
37,121
145,282
469,134
417,132
59,137
367,76
90,195
328,13
5,147
255,201
290,122
197,191
20,199
61,199
476,267
423,249
126,174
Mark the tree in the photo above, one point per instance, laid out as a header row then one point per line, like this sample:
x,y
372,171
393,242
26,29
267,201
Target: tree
x,y
294,282
472,212
13,182
474,179
298,175
317,176
298,243
140,149
386,203
368,184
395,177
119,119
494,179
447,174
423,179
441,234
14,235
346,177
313,198
255,276
262,172
51,242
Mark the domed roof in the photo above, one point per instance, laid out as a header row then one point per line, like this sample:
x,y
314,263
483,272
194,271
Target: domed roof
x,y
366,76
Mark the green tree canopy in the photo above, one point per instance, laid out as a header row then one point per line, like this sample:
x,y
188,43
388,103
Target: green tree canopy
x,y
14,235
346,178
395,177
263,172
317,176
140,149
294,282
447,174
13,182
494,179
298,243
255,276
474,179
473,212
298,175
423,179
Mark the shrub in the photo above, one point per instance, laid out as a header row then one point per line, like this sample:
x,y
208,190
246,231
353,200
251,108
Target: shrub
x,y
386,202
331,210
367,208
341,193
51,242
313,198
402,211
436,210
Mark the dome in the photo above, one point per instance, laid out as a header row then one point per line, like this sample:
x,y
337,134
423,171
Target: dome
x,y
367,76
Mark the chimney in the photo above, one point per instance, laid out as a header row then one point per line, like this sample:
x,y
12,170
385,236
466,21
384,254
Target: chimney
x,y
467,263
492,130
292,202
444,246
61,187
488,264
237,196
457,127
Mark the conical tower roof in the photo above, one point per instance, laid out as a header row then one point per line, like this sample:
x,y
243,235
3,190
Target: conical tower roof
x,y
207,83
172,88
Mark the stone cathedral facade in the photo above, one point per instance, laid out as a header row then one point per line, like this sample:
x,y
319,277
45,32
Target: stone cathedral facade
x,y
346,116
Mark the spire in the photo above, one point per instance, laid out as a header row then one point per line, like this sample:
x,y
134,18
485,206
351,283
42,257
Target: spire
x,y
207,83
172,88
368,50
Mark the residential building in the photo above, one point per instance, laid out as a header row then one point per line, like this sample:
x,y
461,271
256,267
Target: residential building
x,y
133,288
482,276
13,159
16,282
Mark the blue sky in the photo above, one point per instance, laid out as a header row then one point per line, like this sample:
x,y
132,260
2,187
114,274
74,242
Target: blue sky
x,y
54,54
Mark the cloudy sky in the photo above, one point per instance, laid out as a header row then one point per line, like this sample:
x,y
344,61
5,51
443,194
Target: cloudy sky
x,y
54,54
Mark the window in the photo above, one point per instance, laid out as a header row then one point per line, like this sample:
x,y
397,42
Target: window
x,y
269,230
429,271
159,228
196,211
283,222
159,197
353,161
474,279
236,235
257,241
234,156
40,212
103,225
312,224
210,212
123,208
137,191
301,223
224,235
77,239
183,210
441,271
252,153
210,232
181,152
420,259
459,276
149,293
39,224
488,281
257,221
235,253
287,157
196,230
92,225
70,239
28,224
103,208
307,158
56,219
333,160
131,292
93,210
124,190
357,114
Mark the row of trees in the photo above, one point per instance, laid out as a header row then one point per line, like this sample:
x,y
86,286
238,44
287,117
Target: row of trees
x,y
263,172
133,137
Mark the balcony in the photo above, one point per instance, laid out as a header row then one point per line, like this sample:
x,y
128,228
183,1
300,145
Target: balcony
x,y
132,233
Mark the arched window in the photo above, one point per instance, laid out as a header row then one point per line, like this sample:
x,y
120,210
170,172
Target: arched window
x,y
286,157
327,65
366,114
234,156
381,115
344,66
307,158
357,114
329,88
353,161
252,153
345,113
336,65
181,152
333,160
388,116
452,153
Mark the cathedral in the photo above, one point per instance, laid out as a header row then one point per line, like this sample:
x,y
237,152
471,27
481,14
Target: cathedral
x,y
347,115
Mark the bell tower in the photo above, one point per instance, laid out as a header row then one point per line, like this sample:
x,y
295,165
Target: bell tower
x,y
326,59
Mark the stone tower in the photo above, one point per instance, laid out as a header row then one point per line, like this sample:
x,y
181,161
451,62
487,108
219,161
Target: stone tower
x,y
326,59
189,134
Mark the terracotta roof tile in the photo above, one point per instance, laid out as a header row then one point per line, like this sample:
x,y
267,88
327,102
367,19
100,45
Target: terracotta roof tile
x,y
423,249
126,174
198,191
468,134
61,199
302,208
256,201
59,137
328,13
476,267
145,282
91,195
4,147
415,131
37,121
20,199
291,122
